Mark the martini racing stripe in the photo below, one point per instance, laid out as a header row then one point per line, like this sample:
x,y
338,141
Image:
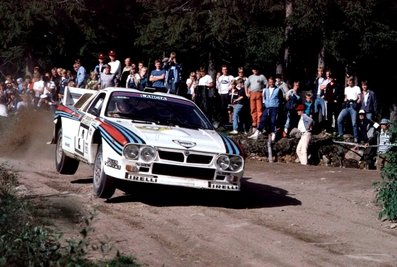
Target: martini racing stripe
x,y
111,141
131,136
231,147
66,115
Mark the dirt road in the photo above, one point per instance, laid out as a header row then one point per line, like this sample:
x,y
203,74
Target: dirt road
x,y
288,215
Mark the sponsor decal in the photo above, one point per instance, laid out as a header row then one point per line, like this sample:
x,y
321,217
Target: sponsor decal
x,y
138,178
157,97
185,144
112,163
223,186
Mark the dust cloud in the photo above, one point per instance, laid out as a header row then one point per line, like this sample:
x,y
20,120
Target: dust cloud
x,y
25,135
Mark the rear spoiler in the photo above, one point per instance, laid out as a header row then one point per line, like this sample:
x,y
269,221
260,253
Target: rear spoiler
x,y
74,96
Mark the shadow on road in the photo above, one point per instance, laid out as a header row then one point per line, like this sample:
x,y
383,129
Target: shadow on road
x,y
252,196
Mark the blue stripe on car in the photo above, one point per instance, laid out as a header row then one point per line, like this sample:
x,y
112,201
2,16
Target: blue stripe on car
x,y
131,136
113,143
231,147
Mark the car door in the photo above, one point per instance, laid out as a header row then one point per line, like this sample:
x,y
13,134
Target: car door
x,y
83,145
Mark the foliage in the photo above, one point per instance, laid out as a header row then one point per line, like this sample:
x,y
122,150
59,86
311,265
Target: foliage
x,y
206,32
387,188
24,242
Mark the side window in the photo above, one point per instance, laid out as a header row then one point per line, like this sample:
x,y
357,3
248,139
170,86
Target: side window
x,y
96,106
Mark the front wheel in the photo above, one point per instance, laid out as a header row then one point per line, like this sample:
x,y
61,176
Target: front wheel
x,y
104,186
63,163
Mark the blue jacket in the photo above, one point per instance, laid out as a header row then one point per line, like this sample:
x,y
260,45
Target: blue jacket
x,y
274,100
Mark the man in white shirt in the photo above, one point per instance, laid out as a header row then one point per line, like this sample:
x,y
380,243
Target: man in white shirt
x,y
115,66
352,99
204,92
224,84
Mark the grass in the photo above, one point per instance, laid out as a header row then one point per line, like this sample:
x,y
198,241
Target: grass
x,y
25,241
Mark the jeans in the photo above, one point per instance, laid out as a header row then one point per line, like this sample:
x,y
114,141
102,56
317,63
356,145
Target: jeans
x,y
349,110
272,113
236,115
320,102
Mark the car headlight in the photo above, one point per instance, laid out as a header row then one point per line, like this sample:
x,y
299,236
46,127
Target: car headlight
x,y
131,151
236,162
148,154
223,162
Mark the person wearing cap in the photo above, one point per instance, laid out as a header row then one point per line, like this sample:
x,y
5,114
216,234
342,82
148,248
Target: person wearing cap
x,y
101,63
366,135
305,125
115,66
383,143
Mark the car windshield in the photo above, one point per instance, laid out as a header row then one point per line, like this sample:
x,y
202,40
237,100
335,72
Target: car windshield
x,y
156,109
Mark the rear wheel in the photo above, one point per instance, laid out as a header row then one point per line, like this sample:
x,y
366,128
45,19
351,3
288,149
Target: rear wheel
x,y
63,163
104,185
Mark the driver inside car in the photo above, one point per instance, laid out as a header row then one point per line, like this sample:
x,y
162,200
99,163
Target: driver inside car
x,y
122,108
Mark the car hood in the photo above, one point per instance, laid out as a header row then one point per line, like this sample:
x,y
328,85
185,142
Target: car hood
x,y
180,138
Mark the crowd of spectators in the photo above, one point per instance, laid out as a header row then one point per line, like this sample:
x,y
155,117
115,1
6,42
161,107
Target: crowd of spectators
x,y
252,105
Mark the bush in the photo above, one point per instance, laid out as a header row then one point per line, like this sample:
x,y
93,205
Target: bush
x,y
387,188
24,242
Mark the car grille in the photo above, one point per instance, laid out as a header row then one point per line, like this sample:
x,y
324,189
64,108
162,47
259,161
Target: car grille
x,y
183,171
180,157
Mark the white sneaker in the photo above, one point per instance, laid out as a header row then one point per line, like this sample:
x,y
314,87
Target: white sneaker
x,y
254,135
273,137
233,132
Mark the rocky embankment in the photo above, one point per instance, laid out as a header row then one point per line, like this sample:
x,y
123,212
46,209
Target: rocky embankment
x,y
322,150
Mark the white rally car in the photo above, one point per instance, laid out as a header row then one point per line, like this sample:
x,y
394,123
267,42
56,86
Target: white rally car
x,y
143,137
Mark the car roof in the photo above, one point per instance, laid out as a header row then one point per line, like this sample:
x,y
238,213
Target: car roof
x,y
120,89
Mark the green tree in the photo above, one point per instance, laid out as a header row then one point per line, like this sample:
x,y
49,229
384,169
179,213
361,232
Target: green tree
x,y
387,188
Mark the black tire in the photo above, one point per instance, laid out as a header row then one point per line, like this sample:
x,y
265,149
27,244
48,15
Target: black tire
x,y
104,185
63,163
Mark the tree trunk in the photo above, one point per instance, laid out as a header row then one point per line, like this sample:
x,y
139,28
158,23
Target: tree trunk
x,y
288,29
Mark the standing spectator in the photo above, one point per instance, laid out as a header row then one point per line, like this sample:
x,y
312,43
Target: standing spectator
x,y
38,88
173,73
333,98
367,136
142,78
107,79
63,83
81,74
93,82
157,77
115,67
253,88
128,65
191,84
384,142
368,101
318,97
308,103
281,84
238,99
101,63
305,125
352,99
132,79
272,98
224,85
204,94
293,99
240,74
